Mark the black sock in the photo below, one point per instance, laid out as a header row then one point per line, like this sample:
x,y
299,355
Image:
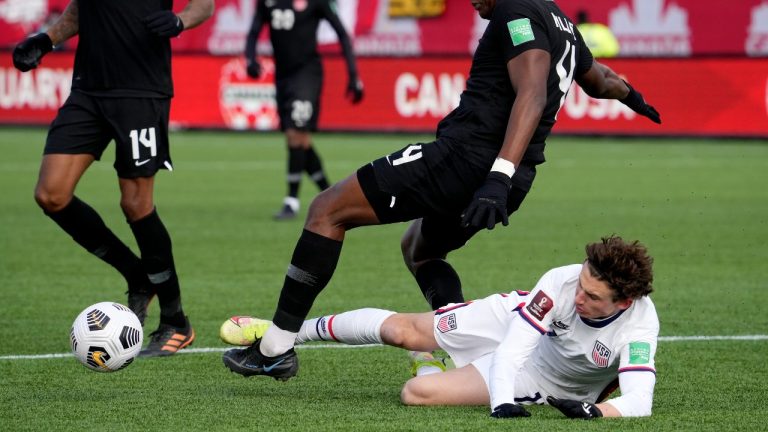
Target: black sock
x,y
295,168
87,228
439,283
314,167
312,265
157,259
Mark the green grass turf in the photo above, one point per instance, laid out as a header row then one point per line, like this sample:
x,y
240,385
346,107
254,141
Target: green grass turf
x,y
700,206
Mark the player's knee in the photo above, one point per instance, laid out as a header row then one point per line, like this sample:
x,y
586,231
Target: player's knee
x,y
413,393
51,201
407,249
135,208
394,334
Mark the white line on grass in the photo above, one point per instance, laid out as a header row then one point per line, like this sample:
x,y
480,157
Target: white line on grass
x,y
341,346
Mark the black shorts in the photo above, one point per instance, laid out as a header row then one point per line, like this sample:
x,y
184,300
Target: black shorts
x,y
298,98
86,124
435,182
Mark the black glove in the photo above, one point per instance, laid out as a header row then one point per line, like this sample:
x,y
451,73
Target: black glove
x,y
253,69
27,54
164,24
509,410
489,205
575,409
355,90
635,101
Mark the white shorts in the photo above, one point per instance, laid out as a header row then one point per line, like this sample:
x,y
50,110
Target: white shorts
x,y
470,332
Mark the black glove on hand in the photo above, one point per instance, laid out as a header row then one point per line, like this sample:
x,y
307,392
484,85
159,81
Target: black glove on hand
x,y
635,101
253,69
355,90
575,409
164,23
27,54
489,205
509,410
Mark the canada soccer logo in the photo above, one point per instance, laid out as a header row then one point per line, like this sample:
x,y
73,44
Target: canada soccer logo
x,y
247,103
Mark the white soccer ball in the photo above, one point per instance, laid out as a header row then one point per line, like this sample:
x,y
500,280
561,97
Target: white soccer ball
x,y
106,337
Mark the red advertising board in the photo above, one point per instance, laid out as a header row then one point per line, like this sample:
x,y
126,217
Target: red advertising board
x,y
679,28
696,97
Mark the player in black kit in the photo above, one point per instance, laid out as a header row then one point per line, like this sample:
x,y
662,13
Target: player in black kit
x,y
475,174
121,90
299,80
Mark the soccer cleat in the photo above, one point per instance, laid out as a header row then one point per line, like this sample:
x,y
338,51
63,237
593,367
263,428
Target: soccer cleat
x,y
420,359
167,340
250,361
286,213
243,330
139,299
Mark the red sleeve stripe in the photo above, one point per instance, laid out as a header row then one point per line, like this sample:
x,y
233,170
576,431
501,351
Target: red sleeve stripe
x,y
330,328
533,323
638,369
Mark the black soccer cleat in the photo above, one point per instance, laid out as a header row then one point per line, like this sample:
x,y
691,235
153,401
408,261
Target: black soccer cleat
x,y
285,213
168,340
139,299
250,361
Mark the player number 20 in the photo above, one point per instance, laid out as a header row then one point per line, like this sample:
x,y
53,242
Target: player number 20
x,y
283,19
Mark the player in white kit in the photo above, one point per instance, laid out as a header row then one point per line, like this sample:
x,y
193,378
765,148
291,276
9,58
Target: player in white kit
x,y
584,330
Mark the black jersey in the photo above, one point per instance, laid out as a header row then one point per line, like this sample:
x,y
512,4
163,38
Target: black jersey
x,y
116,54
293,32
516,26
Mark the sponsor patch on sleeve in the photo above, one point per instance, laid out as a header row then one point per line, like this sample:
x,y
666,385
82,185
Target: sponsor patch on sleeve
x,y
540,305
520,31
639,353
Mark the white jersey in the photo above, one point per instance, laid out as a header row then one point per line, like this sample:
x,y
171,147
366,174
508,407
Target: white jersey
x,y
531,345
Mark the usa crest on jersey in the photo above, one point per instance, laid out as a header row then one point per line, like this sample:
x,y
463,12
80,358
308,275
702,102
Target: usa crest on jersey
x,y
601,354
447,323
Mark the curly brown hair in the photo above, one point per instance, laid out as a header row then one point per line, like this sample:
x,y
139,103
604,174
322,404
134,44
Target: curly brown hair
x,y
625,266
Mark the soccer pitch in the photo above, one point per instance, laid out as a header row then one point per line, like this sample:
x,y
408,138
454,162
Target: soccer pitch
x,y
701,207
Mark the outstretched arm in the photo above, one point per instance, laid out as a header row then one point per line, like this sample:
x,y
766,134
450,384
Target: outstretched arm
x,y
528,74
602,82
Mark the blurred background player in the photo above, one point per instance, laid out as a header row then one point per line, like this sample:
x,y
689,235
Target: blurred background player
x,y
299,80
584,330
598,37
474,175
121,91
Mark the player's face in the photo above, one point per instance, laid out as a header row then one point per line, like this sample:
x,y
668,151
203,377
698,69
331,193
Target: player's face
x,y
594,298
484,7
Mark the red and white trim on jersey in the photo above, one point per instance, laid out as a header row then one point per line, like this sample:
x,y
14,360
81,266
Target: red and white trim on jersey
x,y
638,369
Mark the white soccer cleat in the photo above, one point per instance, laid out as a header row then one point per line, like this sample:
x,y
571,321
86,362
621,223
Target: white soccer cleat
x,y
243,330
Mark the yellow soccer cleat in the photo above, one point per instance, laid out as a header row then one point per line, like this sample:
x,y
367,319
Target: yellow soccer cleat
x,y
424,363
243,330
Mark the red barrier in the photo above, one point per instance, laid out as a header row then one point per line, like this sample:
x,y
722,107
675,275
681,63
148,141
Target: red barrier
x,y
679,28
696,97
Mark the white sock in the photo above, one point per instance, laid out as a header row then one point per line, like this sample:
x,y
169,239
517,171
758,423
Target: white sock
x,y
427,370
276,341
357,327
292,202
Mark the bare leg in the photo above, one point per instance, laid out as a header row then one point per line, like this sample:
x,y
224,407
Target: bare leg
x,y
462,386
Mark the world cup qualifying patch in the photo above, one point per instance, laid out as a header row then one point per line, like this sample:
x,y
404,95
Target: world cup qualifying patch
x,y
540,305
